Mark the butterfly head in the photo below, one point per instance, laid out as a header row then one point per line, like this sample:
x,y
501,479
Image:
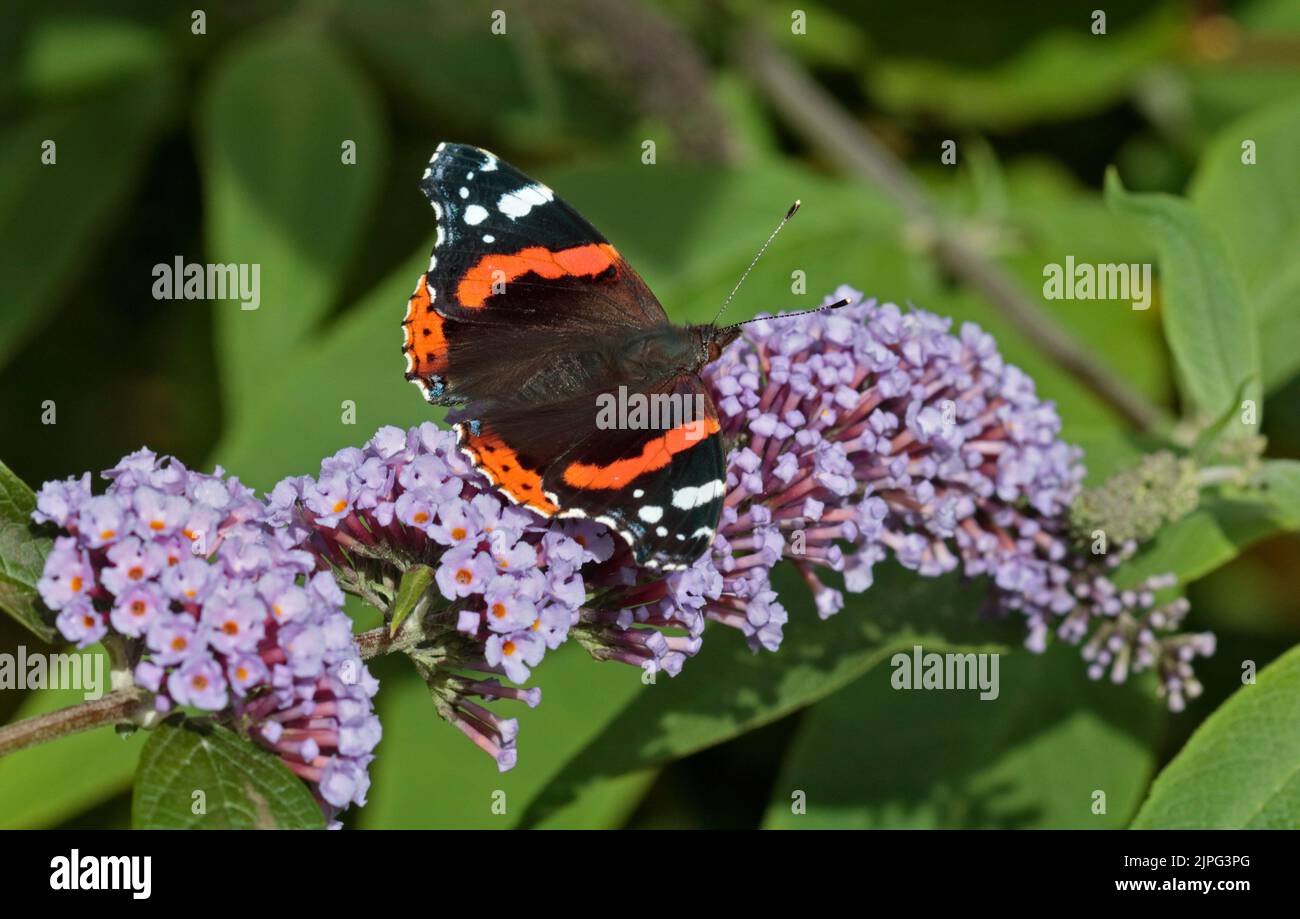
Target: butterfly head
x,y
713,339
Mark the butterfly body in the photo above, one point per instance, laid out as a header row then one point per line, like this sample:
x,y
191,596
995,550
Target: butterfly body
x,y
569,388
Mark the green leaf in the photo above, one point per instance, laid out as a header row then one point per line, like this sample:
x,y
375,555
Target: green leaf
x,y
1280,486
234,784
52,216
22,555
415,582
1241,769
1047,217
71,55
727,690
1208,322
1040,83
273,120
47,784
1210,537
427,775
872,756
308,402
1254,208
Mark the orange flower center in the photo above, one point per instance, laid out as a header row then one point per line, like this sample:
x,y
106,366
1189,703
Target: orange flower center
x,y
508,648
136,573
138,608
156,524
199,682
241,673
230,628
499,610
421,517
464,576
88,621
339,506
75,584
107,534
458,533
179,643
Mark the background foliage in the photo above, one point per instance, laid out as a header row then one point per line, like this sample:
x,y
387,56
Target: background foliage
x,y
225,147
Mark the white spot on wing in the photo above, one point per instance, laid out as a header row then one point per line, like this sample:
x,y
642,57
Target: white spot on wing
x,y
516,204
650,513
474,215
691,496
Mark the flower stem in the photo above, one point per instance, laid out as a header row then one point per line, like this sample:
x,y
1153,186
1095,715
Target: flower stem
x,y
124,704
375,643
119,705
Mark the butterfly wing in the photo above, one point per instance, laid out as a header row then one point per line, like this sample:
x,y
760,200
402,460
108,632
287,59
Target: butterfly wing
x,y
660,487
517,278
514,325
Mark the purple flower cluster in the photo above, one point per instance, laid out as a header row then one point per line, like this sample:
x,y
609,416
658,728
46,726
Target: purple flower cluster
x,y
871,431
216,613
508,583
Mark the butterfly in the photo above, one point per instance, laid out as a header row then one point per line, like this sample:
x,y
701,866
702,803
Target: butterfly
x,y
569,389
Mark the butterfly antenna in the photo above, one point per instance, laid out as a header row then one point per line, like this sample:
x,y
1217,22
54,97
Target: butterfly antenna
x,y
784,220
843,301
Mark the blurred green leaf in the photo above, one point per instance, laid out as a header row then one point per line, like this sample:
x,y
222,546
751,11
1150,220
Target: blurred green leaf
x,y
1214,534
22,555
1040,83
727,690
1040,216
243,787
1208,322
44,785
64,56
273,122
358,359
1240,769
433,50
871,756
52,216
428,775
1280,487
826,38
1249,65
1254,209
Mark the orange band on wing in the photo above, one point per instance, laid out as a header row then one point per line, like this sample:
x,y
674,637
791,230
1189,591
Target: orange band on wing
x,y
579,261
502,464
654,455
426,341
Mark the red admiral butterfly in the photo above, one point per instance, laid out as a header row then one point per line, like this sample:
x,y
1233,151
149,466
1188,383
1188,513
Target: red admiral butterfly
x,y
527,324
